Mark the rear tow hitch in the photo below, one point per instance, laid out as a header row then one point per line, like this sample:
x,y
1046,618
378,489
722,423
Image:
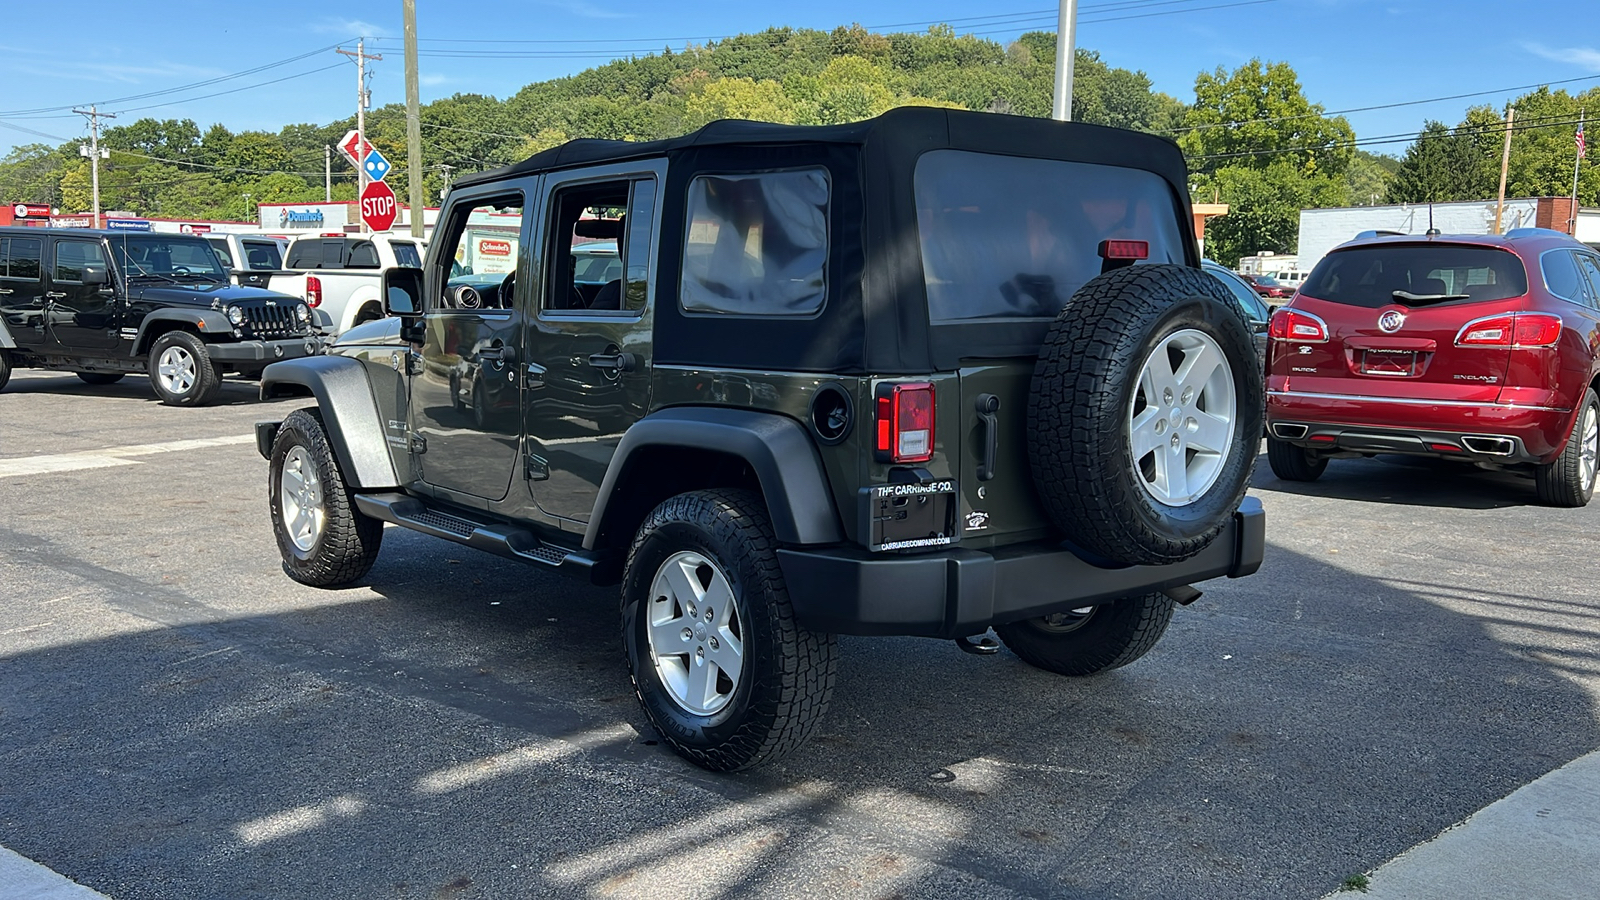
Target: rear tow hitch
x,y
985,645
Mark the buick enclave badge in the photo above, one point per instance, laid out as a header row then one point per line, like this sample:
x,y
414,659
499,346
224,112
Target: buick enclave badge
x,y
1391,321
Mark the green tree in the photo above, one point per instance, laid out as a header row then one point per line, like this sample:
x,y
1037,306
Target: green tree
x,y
1258,117
1264,206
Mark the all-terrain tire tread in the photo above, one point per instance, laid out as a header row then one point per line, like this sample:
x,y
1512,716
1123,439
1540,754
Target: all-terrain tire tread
x,y
351,540
780,720
1139,622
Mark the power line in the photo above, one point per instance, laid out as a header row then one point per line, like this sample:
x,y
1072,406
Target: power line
x,y
248,87
1494,128
174,90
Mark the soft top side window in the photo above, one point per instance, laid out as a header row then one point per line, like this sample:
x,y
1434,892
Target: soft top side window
x,y
598,248
756,244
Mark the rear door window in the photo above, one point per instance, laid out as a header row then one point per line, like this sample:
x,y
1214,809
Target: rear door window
x,y
1013,237
1439,273
19,258
757,244
1562,278
1590,268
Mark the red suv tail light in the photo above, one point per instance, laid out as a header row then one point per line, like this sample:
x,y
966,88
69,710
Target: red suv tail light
x,y
313,291
1518,330
1295,325
905,422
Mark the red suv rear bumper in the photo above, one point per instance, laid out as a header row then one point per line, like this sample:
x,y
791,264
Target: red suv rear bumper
x,y
1490,432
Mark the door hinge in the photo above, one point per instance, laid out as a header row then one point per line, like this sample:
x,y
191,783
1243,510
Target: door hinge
x,y
536,468
418,443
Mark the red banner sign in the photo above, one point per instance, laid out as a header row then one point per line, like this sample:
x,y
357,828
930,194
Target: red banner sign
x,y
31,210
494,248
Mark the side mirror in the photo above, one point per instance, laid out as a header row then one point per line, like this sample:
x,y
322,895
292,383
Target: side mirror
x,y
402,291
96,275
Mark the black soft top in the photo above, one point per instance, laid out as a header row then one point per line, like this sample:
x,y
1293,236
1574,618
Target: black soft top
x,y
876,315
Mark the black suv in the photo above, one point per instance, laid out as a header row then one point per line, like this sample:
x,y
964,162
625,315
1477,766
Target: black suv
x,y
926,374
107,303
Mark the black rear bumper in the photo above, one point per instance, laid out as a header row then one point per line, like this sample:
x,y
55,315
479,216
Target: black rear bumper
x,y
846,590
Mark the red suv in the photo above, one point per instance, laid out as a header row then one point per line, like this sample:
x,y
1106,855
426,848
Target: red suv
x,y
1466,347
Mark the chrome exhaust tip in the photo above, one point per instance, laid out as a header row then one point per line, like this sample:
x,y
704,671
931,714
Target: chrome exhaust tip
x,y
1289,431
1490,445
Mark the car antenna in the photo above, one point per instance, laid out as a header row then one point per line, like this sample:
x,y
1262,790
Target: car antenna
x,y
1431,230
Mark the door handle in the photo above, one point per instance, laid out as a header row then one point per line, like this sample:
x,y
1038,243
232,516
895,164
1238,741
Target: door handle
x,y
499,352
7,291
621,362
54,295
535,375
988,405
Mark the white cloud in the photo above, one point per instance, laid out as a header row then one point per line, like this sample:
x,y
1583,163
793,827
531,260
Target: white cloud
x,y
1583,57
432,80
350,28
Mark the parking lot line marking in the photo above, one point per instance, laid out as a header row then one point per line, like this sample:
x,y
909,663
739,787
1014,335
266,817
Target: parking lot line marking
x,y
22,877
109,456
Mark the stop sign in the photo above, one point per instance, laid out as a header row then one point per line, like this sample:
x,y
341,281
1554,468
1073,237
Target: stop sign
x,y
378,208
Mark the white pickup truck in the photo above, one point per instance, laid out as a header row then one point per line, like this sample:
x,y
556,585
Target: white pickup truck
x,y
339,275
251,257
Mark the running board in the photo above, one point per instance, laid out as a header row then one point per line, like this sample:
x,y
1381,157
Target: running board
x,y
498,538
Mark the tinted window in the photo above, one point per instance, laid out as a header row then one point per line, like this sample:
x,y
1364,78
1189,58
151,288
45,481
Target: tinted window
x,y
1370,276
1591,269
757,244
72,256
1248,299
364,255
221,246
308,254
19,257
1015,237
405,254
1561,276
262,255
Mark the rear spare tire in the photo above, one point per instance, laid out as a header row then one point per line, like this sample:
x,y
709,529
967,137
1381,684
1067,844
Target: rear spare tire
x,y
1145,413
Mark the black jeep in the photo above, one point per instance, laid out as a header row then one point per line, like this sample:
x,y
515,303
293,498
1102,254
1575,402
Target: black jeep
x,y
926,374
107,303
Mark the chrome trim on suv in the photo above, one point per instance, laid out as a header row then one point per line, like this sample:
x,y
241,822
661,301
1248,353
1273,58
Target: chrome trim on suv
x,y
1414,401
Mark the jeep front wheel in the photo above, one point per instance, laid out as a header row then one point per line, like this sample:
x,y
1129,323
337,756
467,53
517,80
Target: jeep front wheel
x,y
1144,415
5,368
1092,639
181,370
325,541
721,668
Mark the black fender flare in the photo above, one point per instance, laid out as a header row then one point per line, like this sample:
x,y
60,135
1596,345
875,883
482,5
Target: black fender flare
x,y
203,321
349,413
777,448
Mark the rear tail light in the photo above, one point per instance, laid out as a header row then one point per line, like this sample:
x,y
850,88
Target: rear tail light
x,y
1296,325
1124,249
1517,330
905,422
313,291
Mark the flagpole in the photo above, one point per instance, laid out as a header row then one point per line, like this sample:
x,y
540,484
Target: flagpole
x,y
1572,223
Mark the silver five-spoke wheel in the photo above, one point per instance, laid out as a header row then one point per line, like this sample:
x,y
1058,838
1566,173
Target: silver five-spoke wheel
x,y
177,369
696,637
1182,416
300,497
1591,444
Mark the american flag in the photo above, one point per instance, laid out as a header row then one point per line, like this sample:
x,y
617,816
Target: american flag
x,y
1582,147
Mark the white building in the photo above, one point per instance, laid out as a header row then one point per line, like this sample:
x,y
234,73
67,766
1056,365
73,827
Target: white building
x,y
1323,229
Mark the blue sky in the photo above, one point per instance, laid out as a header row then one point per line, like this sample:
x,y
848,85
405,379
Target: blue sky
x,y
1348,53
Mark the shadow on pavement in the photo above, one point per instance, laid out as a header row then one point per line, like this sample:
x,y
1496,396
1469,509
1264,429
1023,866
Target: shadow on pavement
x,y
135,386
472,733
1407,480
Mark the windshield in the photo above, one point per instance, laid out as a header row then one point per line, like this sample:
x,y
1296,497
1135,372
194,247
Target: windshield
x,y
1013,237
1369,276
173,257
1267,281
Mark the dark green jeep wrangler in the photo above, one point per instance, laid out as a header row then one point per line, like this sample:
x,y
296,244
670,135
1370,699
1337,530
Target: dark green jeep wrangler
x,y
926,374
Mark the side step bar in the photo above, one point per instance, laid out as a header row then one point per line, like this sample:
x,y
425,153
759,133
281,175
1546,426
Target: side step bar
x,y
500,539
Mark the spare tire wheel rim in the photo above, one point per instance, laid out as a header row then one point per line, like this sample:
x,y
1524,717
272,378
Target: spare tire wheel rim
x,y
177,369
1181,417
300,499
695,633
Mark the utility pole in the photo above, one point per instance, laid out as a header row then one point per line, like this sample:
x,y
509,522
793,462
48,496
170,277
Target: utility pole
x,y
363,100
1505,163
327,173
1066,55
94,153
1580,150
413,125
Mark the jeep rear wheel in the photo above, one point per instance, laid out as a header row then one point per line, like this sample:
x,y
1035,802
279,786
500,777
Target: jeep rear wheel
x,y
181,371
1145,414
325,541
721,668
1091,639
5,368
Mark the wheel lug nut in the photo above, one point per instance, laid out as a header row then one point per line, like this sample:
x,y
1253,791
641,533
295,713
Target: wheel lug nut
x,y
714,644
1188,395
687,634
1166,396
708,614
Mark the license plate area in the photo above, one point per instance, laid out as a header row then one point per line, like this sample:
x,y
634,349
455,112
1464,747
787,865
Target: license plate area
x,y
910,516
1391,363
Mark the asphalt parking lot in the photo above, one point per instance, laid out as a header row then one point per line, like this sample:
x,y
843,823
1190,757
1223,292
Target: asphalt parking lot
x,y
180,720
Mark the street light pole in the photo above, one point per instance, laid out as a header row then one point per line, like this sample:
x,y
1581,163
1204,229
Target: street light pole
x,y
1066,42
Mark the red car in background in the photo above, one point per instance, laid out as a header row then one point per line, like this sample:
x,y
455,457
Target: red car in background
x,y
1270,287
1465,347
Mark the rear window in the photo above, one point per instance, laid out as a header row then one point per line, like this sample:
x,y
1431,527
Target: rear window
x,y
1369,276
1012,237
